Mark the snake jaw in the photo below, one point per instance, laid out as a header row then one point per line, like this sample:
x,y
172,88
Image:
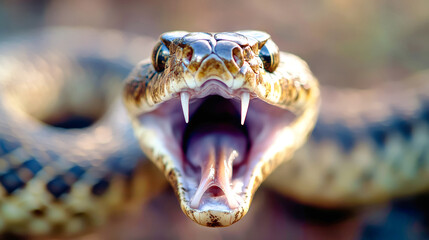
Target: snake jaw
x,y
205,196
219,85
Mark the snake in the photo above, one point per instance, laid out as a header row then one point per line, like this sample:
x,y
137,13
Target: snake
x,y
217,113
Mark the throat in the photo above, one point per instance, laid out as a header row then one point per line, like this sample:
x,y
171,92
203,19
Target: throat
x,y
216,150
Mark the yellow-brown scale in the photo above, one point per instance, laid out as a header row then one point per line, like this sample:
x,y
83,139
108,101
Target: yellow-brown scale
x,y
68,157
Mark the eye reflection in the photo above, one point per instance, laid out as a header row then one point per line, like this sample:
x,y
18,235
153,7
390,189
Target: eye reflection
x,y
269,55
160,56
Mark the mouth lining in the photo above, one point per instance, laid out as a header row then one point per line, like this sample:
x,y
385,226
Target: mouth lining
x,y
215,108
213,112
216,146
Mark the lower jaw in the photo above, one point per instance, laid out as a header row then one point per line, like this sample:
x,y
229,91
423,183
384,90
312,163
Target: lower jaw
x,y
155,131
216,218
169,160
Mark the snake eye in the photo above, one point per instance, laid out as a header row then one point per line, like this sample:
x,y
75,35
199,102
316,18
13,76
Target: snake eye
x,y
269,55
160,56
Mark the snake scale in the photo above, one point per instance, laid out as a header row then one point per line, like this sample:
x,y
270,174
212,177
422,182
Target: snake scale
x,y
69,158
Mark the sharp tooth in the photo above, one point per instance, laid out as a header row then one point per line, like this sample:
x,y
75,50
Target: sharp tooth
x,y
184,98
245,98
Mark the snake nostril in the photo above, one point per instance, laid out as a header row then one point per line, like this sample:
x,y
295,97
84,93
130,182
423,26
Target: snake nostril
x,y
238,56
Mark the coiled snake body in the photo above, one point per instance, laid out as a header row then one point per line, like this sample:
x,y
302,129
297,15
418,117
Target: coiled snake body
x,y
69,178
64,181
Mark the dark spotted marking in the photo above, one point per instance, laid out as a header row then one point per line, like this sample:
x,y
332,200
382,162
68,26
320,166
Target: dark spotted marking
x,y
172,178
40,212
345,137
341,134
403,126
58,186
11,181
214,221
100,187
237,217
378,133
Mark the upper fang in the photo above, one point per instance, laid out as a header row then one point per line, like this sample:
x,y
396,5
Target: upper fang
x,y
184,98
245,98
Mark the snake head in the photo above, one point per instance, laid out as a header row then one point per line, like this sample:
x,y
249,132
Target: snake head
x,y
217,113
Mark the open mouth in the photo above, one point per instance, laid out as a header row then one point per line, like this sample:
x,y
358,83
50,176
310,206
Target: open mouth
x,y
214,114
214,142
216,151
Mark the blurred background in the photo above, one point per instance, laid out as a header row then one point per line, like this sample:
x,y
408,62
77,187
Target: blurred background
x,y
346,43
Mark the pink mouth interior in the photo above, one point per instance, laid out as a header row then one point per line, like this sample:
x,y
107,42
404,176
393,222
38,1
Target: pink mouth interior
x,y
215,142
215,153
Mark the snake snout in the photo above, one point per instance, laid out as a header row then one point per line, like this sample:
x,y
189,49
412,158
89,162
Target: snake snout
x,y
223,61
213,67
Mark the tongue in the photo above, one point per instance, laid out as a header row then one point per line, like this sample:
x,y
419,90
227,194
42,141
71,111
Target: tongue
x,y
216,150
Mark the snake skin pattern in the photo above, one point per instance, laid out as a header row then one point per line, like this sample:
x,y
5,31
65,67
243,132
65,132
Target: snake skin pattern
x,y
62,180
371,145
